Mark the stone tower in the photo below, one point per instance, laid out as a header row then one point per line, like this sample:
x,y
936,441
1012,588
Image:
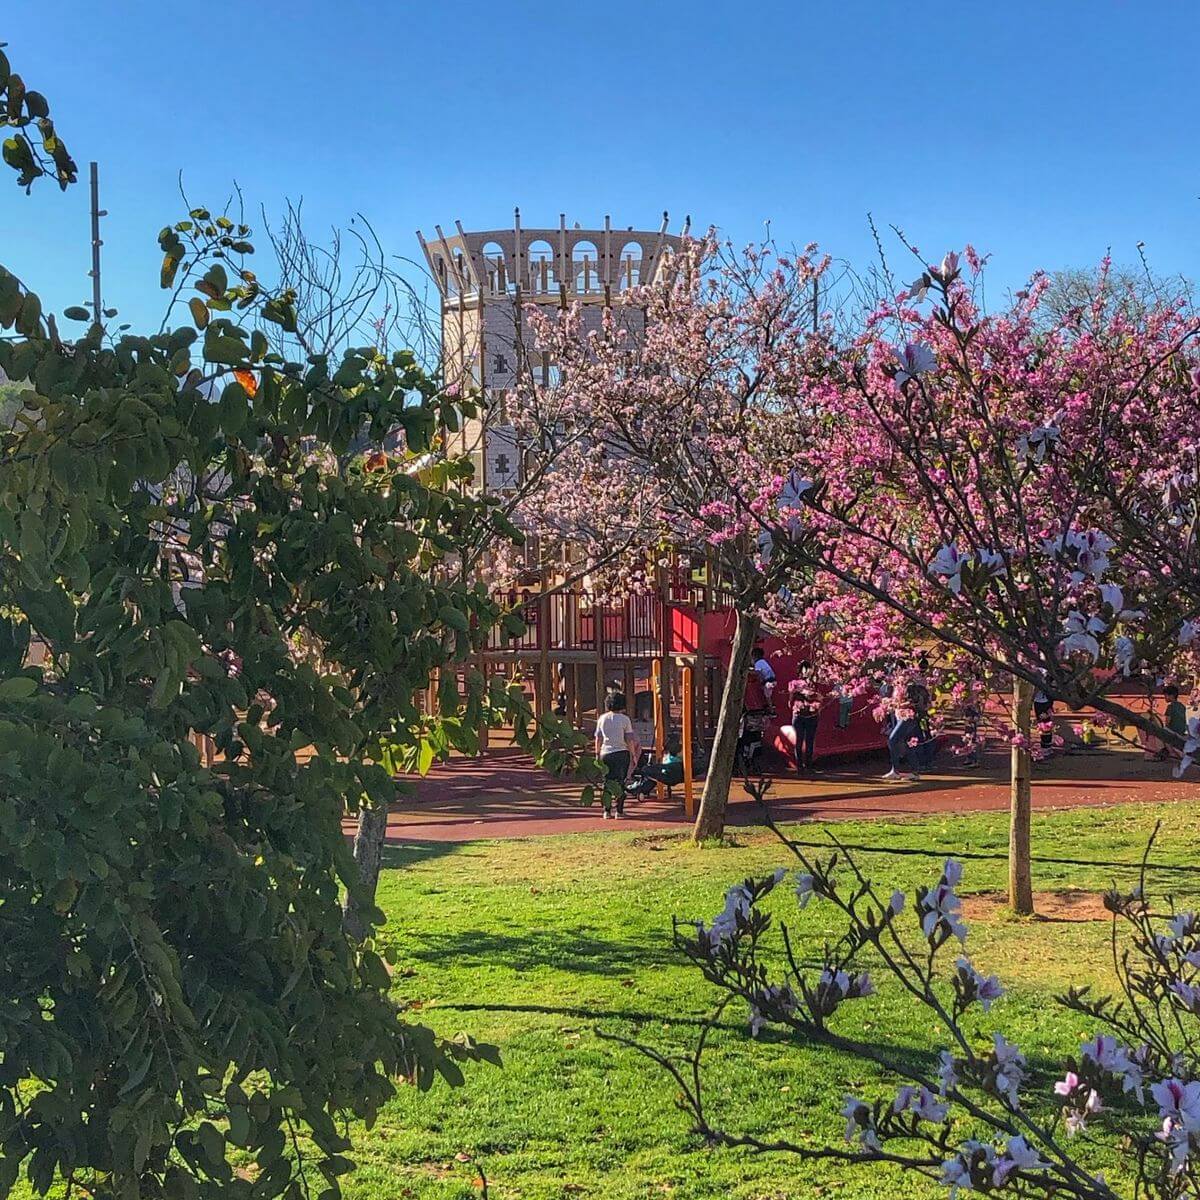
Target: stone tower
x,y
488,279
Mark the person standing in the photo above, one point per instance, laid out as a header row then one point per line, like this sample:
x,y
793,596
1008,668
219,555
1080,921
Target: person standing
x,y
615,745
922,756
1175,718
765,672
1043,706
904,734
805,699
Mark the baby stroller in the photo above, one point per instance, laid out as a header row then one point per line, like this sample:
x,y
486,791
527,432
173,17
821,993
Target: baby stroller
x,y
750,742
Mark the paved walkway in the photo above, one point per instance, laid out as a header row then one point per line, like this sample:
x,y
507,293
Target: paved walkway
x,y
503,795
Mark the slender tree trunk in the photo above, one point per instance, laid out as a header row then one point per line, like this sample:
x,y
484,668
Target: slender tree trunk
x,y
368,857
1020,874
710,820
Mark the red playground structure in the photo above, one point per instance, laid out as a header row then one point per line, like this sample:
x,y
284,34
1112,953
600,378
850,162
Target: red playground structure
x,y
575,646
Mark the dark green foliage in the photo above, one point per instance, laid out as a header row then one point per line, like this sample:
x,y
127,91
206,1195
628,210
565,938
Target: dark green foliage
x,y
173,941
180,531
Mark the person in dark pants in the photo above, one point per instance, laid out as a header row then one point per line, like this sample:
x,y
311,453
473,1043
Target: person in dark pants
x,y
615,745
805,699
1043,706
910,724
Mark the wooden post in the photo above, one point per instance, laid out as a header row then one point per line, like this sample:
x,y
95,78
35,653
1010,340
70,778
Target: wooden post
x,y
483,725
571,683
544,686
1020,875
598,631
656,684
689,796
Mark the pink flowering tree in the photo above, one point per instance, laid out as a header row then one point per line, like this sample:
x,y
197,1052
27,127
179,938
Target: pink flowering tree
x,y
666,443
978,1121
1023,494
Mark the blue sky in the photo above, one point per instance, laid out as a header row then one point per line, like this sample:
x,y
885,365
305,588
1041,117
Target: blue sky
x,y
1043,132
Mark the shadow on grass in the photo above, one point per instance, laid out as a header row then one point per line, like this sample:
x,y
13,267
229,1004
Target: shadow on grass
x,y
573,951
1043,1068
400,854
633,1016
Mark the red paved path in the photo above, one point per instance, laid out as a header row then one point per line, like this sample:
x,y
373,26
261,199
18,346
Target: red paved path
x,y
503,795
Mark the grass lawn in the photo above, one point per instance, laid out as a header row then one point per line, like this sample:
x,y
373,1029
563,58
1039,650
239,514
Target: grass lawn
x,y
535,945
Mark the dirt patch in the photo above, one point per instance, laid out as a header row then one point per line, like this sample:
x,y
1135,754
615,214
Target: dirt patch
x,y
1073,904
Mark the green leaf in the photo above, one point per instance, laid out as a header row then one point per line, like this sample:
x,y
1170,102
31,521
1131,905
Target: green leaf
x,y
425,757
19,687
77,313
233,409
212,1143
454,618
223,349
239,1125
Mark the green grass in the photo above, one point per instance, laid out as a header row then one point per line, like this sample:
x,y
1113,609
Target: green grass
x,y
537,945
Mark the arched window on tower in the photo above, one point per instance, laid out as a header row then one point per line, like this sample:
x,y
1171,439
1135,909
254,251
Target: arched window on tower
x,y
630,266
585,265
540,261
495,267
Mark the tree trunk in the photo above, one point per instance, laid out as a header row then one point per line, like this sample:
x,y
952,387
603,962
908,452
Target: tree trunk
x,y
710,820
1020,875
368,857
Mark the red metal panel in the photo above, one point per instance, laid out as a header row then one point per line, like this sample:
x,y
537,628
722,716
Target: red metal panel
x,y
685,629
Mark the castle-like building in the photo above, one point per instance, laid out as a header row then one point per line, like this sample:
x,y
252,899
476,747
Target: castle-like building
x,y
487,280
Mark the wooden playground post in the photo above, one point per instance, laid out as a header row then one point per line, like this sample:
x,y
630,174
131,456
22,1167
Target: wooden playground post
x,y
544,703
656,690
689,798
598,631
481,665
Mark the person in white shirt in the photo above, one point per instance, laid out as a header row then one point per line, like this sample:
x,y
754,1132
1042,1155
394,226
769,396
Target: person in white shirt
x,y
615,745
764,671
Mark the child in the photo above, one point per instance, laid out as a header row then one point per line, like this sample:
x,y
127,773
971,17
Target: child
x,y
672,750
1176,714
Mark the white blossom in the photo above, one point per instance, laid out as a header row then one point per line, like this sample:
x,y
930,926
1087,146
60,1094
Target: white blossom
x,y
947,1072
1080,635
984,988
1087,551
948,563
860,1123
1124,654
1110,1056
939,907
916,358
1018,1155
724,926
921,1102
1010,1068
1037,441
1179,1106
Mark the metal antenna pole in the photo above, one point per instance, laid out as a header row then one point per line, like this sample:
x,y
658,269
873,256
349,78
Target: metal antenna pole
x,y
97,213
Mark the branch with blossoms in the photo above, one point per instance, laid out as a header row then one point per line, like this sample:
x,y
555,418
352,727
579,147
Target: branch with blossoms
x,y
1135,1083
953,491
